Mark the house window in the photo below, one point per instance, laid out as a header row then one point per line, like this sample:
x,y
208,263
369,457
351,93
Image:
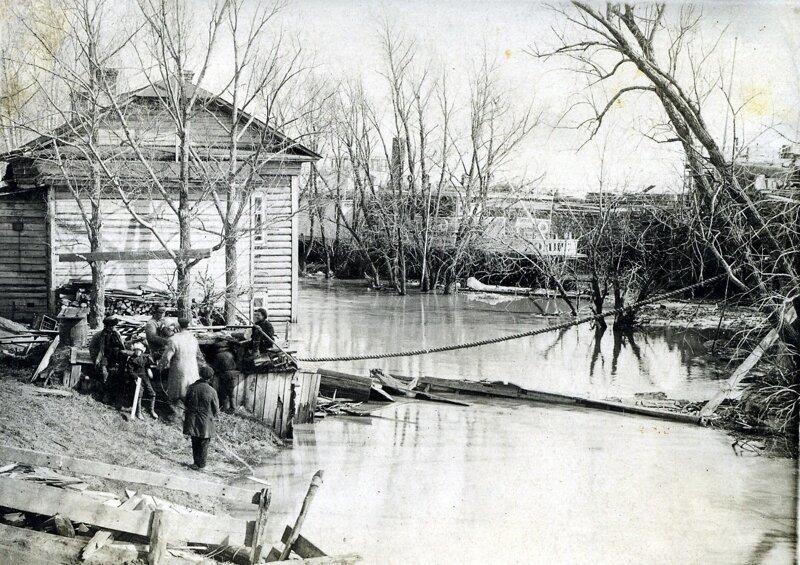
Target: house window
x,y
258,218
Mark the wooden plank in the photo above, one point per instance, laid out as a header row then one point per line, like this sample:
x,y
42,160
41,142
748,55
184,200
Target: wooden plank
x,y
261,395
102,537
127,474
75,376
302,546
158,538
19,546
378,391
28,547
260,532
271,407
789,316
141,255
316,482
288,411
46,359
510,390
40,499
354,387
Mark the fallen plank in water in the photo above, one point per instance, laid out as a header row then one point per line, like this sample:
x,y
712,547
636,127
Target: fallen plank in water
x,y
510,390
406,388
128,475
354,387
744,369
31,497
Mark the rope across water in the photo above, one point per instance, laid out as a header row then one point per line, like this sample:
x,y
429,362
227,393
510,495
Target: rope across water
x,y
509,337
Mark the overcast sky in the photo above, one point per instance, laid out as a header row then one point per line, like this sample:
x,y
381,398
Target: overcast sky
x,y
342,35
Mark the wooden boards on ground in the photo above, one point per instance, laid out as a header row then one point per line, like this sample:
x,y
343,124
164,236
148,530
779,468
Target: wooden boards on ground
x,y
39,499
128,475
29,547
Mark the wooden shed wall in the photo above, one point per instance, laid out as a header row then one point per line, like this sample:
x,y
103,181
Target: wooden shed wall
x,y
23,256
122,232
275,255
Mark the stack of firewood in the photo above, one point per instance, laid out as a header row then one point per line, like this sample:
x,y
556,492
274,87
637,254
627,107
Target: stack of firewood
x,y
126,302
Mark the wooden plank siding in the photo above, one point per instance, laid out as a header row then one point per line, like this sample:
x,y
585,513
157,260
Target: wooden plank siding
x,y
24,256
275,268
122,231
267,267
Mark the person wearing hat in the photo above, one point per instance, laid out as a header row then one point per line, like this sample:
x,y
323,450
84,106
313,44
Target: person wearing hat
x,y
152,331
263,333
180,357
227,373
106,349
137,366
202,409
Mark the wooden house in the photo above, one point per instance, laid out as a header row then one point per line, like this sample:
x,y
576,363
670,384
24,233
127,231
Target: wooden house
x,y
47,180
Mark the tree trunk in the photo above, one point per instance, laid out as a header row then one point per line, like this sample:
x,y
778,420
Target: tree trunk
x,y
231,279
184,297
97,298
598,298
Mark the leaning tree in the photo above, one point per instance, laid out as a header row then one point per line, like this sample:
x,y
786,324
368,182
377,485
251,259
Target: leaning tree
x,y
746,235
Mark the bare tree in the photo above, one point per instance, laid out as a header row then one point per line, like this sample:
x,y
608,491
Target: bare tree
x,y
657,40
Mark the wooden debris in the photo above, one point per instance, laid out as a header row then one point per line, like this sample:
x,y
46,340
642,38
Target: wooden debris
x,y
63,526
406,389
316,482
382,394
158,538
14,519
301,545
335,383
30,497
46,359
102,537
790,315
127,474
259,536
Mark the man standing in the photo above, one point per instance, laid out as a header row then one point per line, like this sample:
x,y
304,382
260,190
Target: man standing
x,y
152,331
202,408
227,373
180,356
106,349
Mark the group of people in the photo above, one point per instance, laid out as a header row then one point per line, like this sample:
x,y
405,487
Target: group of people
x,y
173,355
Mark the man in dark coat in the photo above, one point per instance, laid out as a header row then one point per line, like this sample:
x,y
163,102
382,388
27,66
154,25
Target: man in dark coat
x,y
202,408
227,373
106,349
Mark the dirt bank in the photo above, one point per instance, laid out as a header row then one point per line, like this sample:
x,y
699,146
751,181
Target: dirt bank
x,y
701,314
80,426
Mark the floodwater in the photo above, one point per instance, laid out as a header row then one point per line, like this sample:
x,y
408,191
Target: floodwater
x,y
504,482
343,319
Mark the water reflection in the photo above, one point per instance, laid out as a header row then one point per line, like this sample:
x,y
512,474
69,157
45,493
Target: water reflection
x,y
507,483
345,319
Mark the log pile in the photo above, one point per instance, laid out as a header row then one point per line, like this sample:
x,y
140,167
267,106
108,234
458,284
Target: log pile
x,y
125,302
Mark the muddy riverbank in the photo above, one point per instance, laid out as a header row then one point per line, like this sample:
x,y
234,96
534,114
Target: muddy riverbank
x,y
80,426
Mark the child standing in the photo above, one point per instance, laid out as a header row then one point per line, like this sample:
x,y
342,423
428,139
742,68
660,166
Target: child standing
x,y
137,366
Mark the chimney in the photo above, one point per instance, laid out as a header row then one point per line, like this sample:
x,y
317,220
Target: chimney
x,y
105,87
107,80
188,76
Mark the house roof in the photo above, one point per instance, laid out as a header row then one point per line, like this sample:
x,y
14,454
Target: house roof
x,y
157,91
